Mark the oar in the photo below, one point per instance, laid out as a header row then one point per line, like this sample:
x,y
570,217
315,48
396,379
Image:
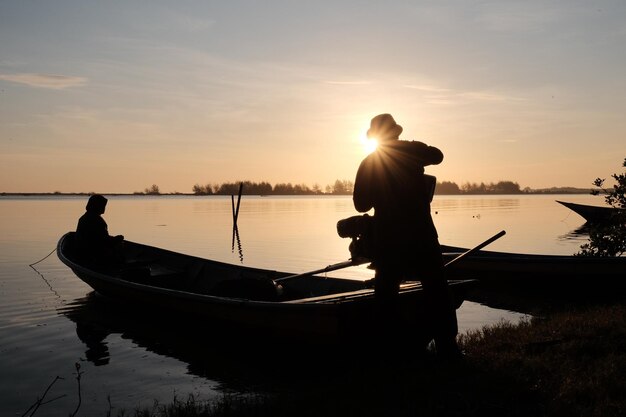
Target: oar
x,y
468,252
329,268
476,248
360,261
271,290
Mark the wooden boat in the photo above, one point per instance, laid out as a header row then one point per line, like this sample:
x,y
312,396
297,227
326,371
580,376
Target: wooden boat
x,y
592,214
311,307
502,267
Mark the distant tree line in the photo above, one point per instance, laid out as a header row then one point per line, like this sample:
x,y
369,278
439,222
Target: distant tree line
x,y
501,187
346,187
340,187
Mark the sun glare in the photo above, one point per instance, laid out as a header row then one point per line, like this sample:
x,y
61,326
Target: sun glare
x,y
369,145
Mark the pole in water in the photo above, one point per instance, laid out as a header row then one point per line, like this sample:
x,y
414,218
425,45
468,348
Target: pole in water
x,y
236,211
238,201
232,204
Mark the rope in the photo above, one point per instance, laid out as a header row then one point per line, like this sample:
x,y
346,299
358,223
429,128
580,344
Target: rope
x,y
568,213
44,278
42,259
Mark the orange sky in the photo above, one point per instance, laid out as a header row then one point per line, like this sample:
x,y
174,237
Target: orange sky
x,y
114,97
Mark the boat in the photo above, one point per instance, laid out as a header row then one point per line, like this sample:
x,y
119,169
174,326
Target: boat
x,y
232,298
545,270
592,214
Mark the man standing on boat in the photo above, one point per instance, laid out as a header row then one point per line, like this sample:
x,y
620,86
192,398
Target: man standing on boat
x,y
405,242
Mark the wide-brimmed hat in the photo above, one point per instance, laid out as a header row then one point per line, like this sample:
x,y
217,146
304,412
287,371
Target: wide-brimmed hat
x,y
383,127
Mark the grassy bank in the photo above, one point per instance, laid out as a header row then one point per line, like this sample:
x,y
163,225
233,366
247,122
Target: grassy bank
x,y
569,364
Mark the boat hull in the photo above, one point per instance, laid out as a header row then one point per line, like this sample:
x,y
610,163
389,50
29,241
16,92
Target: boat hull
x,y
494,267
592,214
319,309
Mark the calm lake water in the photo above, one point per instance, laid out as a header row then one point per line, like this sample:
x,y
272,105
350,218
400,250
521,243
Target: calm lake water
x,y
50,320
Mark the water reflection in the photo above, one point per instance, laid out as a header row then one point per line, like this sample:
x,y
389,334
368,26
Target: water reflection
x,y
186,340
239,246
476,206
576,234
236,363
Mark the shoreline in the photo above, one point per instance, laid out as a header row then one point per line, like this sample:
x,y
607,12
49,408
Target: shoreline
x,y
84,194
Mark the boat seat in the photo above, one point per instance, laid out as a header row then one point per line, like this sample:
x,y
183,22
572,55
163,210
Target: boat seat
x,y
343,296
333,298
157,270
153,274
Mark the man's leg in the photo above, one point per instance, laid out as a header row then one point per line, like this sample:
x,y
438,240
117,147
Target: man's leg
x,y
439,304
387,314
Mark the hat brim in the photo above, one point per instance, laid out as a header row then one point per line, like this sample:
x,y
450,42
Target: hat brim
x,y
394,132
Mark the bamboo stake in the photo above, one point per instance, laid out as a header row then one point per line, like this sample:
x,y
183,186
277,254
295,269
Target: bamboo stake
x,y
238,202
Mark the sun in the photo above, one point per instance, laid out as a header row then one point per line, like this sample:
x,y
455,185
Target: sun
x,y
369,144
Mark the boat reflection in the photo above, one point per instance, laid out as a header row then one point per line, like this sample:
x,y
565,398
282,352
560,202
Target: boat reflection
x,y
580,234
235,363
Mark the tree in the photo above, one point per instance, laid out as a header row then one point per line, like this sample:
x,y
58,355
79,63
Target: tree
x,y
343,187
202,189
447,187
228,188
153,190
506,187
609,239
615,197
301,189
283,189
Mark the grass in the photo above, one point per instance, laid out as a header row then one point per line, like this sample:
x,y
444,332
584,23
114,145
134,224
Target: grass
x,y
227,405
571,363
574,361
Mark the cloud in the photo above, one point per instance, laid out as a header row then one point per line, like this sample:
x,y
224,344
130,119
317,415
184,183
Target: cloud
x,y
355,82
51,81
488,96
445,96
427,88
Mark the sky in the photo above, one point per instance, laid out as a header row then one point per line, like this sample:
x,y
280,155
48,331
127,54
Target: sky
x,y
116,96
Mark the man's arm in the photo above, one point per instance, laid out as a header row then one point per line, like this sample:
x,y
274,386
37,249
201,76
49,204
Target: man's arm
x,y
428,155
362,194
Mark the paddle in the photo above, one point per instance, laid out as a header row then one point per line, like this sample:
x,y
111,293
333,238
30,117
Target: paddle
x,y
329,268
270,290
476,248
468,252
360,261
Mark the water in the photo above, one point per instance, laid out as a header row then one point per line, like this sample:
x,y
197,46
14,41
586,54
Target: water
x,y
44,313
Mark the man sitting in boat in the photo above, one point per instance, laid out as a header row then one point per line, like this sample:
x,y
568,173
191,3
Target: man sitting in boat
x,y
405,243
93,241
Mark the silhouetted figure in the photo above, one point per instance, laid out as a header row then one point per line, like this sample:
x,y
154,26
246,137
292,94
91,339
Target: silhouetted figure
x,y
93,241
405,243
93,336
